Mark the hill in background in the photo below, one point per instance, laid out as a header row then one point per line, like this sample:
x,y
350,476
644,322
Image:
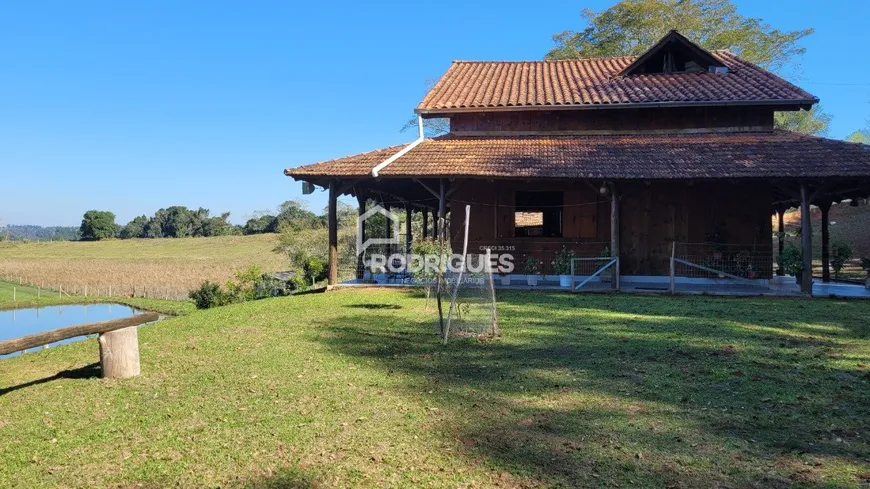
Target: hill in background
x,y
851,225
29,232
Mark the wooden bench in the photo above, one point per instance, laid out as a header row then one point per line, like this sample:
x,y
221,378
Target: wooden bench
x,y
119,342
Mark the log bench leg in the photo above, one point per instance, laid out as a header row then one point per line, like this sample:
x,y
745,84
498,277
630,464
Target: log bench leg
x,y
119,353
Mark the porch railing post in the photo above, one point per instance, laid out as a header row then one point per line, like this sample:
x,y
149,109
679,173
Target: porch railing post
x,y
673,271
614,233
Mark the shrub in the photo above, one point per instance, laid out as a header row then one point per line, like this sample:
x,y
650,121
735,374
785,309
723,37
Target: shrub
x,y
840,254
208,295
865,264
562,262
430,247
532,266
314,269
791,260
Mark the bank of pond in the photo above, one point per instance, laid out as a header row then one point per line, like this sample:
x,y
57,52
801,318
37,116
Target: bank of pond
x,y
16,323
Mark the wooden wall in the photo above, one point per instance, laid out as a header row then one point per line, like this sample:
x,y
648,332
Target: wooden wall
x,y
615,120
652,217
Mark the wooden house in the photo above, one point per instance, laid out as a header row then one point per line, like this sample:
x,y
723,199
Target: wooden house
x,y
632,154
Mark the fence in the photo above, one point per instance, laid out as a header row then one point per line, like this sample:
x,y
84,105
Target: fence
x,y
594,273
23,289
720,266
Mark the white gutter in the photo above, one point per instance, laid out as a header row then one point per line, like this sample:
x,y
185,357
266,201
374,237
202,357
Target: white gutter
x,y
404,150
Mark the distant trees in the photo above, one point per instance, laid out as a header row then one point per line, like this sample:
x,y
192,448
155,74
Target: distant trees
x,y
134,228
29,232
179,222
97,225
292,214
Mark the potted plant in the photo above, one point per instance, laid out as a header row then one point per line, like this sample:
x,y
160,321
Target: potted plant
x,y
715,241
562,266
865,264
792,262
605,276
532,269
505,277
743,262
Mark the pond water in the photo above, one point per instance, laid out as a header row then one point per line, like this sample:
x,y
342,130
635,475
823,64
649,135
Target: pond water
x,y
22,322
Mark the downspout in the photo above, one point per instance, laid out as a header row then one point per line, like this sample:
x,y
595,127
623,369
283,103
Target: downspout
x,y
404,150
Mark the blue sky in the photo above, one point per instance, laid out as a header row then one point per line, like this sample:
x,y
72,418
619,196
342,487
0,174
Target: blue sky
x,y
133,106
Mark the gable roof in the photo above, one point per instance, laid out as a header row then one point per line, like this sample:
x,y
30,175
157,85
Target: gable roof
x,y
598,83
777,154
672,37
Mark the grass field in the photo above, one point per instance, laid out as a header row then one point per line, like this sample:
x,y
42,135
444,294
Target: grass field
x,y
158,267
351,389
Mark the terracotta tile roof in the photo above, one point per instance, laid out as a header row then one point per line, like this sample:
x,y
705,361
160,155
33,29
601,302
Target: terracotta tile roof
x,y
593,82
778,154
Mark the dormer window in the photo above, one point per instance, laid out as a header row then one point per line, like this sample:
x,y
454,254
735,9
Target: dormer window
x,y
675,54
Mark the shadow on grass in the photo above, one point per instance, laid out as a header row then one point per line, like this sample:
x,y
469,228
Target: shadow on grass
x,y
612,390
373,306
88,371
284,479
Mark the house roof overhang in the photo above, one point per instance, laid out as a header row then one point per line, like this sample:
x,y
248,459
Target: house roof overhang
x,y
775,156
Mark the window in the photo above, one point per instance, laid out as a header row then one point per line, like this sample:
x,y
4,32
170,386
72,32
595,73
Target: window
x,y
538,214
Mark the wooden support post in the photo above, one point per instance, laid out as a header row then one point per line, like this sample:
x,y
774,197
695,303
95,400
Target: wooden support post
x,y
780,212
361,229
614,233
119,353
425,223
806,241
825,207
332,277
408,236
442,209
389,227
434,224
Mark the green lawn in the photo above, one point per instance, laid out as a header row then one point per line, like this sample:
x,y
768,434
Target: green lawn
x,y
352,389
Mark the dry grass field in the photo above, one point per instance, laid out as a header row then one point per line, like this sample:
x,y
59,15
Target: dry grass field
x,y
164,268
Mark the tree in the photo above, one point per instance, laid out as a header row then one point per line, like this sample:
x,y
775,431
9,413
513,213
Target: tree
x,y
630,27
266,223
862,136
438,126
97,225
295,215
135,228
814,121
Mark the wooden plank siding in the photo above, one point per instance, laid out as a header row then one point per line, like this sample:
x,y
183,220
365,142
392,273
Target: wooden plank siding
x,y
617,121
653,215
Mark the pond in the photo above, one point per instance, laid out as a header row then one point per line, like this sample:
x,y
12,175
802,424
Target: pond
x,y
22,322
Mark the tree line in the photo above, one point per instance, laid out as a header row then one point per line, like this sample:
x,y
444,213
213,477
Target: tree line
x,y
182,222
